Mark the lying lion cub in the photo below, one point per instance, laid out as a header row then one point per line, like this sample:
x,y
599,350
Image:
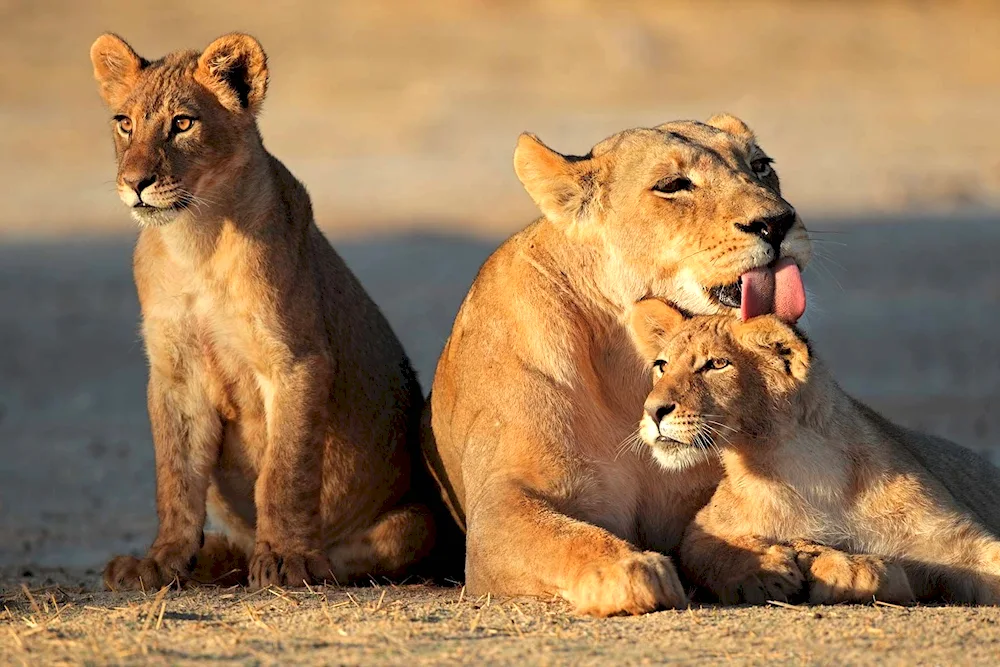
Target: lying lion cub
x,y
280,400
813,480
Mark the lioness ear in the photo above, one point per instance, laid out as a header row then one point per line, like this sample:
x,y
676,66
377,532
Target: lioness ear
x,y
768,335
234,67
554,181
651,320
116,67
731,125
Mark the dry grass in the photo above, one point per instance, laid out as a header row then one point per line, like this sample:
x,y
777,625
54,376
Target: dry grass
x,y
63,622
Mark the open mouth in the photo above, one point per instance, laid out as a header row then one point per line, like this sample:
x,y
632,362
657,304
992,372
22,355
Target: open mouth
x,y
776,288
728,295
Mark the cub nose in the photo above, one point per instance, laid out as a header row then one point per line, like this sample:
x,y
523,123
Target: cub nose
x,y
138,181
658,411
772,228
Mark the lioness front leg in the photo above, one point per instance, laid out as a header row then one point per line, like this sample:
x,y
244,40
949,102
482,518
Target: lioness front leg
x,y
287,549
835,577
740,568
520,543
186,439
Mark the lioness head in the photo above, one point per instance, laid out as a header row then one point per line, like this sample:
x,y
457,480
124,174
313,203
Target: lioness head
x,y
181,124
691,210
717,381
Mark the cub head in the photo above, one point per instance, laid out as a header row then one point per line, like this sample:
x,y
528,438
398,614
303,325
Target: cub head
x,y
687,209
717,381
183,124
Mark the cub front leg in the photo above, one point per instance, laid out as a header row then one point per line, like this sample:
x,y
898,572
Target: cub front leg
x,y
287,549
740,568
186,438
520,544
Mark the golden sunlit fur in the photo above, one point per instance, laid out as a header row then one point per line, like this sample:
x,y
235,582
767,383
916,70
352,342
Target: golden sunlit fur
x,y
281,402
530,430
820,493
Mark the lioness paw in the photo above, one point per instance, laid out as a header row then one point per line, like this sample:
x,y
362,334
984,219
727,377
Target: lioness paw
x,y
272,567
636,584
836,577
171,563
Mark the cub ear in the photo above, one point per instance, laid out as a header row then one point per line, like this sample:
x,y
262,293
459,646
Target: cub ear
x,y
116,67
234,68
559,185
768,335
731,125
652,320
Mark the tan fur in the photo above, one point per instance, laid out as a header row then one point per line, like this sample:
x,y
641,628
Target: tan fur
x,y
530,431
819,491
281,402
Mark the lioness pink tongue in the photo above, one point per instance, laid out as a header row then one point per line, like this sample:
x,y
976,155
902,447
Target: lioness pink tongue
x,y
778,290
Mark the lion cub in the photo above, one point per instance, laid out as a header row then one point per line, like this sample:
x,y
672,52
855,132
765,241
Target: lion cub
x,y
819,493
281,402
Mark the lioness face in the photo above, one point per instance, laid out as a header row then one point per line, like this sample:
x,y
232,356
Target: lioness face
x,y
717,382
693,207
182,125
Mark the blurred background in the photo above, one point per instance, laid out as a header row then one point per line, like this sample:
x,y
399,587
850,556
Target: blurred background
x,y
401,118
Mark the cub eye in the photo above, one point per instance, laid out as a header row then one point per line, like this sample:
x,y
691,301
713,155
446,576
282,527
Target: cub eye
x,y
716,364
672,185
762,166
124,124
183,123
659,365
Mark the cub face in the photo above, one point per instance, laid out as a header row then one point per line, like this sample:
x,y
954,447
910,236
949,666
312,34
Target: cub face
x,y
183,125
717,381
689,206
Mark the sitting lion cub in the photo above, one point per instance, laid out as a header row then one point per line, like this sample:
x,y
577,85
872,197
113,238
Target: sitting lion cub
x,y
281,403
814,481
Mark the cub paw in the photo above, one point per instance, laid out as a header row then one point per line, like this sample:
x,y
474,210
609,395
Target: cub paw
x,y
163,565
776,576
836,577
636,584
272,567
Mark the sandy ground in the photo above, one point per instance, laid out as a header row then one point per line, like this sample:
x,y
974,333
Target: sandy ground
x,y
401,118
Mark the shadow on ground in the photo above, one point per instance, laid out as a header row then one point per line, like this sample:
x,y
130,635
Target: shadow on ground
x,y
905,312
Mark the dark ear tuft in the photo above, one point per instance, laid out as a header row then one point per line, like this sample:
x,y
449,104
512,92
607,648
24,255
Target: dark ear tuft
x,y
651,321
769,335
116,67
234,67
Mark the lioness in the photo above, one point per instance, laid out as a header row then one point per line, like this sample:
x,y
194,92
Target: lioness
x,y
537,385
278,395
809,472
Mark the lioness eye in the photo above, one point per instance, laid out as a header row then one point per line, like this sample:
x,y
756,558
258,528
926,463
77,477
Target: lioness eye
x,y
124,124
183,123
762,166
671,185
659,365
716,364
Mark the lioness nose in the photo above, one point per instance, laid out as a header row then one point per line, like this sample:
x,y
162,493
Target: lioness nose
x,y
772,228
658,411
139,181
